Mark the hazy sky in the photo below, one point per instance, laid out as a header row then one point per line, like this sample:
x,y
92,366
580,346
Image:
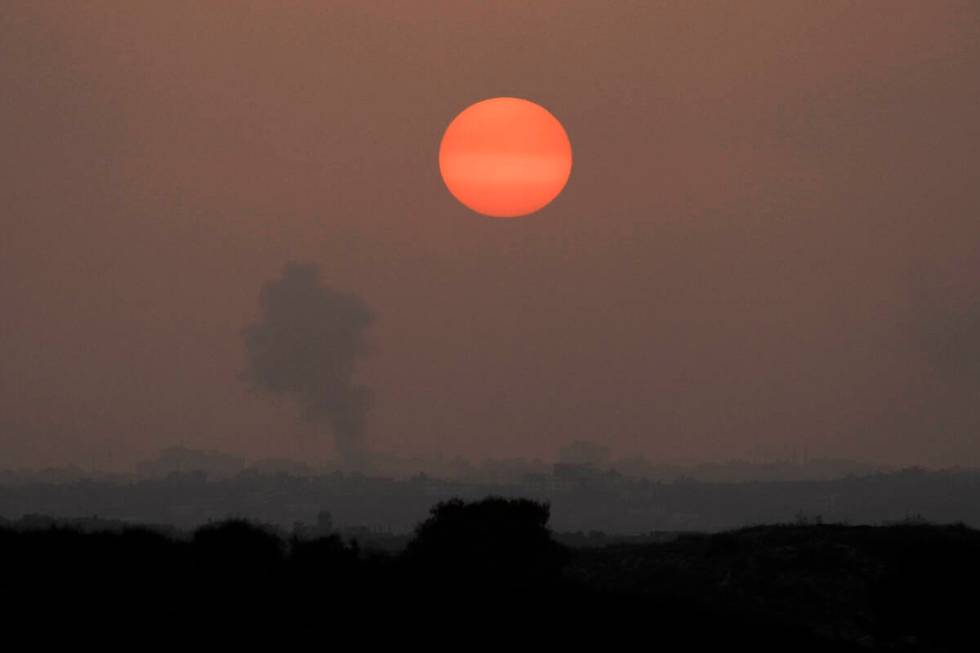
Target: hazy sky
x,y
770,241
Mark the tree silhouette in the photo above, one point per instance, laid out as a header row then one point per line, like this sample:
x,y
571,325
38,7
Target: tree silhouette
x,y
495,542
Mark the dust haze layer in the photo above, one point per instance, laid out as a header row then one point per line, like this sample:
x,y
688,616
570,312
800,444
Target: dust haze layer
x,y
768,245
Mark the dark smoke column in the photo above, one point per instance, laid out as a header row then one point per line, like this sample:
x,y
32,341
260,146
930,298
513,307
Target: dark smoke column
x,y
305,345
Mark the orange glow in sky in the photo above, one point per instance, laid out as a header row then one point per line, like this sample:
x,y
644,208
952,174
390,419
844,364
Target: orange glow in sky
x,y
505,157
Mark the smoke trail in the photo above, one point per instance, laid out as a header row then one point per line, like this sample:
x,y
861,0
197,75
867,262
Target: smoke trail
x,y
305,345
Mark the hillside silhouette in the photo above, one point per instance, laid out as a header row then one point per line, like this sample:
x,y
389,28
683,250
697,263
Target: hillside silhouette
x,y
810,586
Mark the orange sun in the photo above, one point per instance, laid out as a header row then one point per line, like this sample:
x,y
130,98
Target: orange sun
x,y
505,157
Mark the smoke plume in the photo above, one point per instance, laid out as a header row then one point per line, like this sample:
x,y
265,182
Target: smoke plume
x,y
305,345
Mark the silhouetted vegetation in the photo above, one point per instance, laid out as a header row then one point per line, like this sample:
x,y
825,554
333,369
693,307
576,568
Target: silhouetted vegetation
x,y
495,542
806,586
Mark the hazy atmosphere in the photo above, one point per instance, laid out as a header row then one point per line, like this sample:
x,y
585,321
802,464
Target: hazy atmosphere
x,y
758,257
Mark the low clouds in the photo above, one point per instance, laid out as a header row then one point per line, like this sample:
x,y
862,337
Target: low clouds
x,y
305,345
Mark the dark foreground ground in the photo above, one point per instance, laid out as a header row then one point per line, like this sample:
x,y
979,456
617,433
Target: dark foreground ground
x,y
491,570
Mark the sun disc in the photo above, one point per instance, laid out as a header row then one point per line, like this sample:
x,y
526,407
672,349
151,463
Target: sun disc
x,y
505,157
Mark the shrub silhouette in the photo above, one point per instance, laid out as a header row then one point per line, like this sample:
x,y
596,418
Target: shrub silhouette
x,y
493,564
493,542
323,561
235,550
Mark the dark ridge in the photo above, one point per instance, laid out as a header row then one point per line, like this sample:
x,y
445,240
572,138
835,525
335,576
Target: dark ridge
x,y
494,564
